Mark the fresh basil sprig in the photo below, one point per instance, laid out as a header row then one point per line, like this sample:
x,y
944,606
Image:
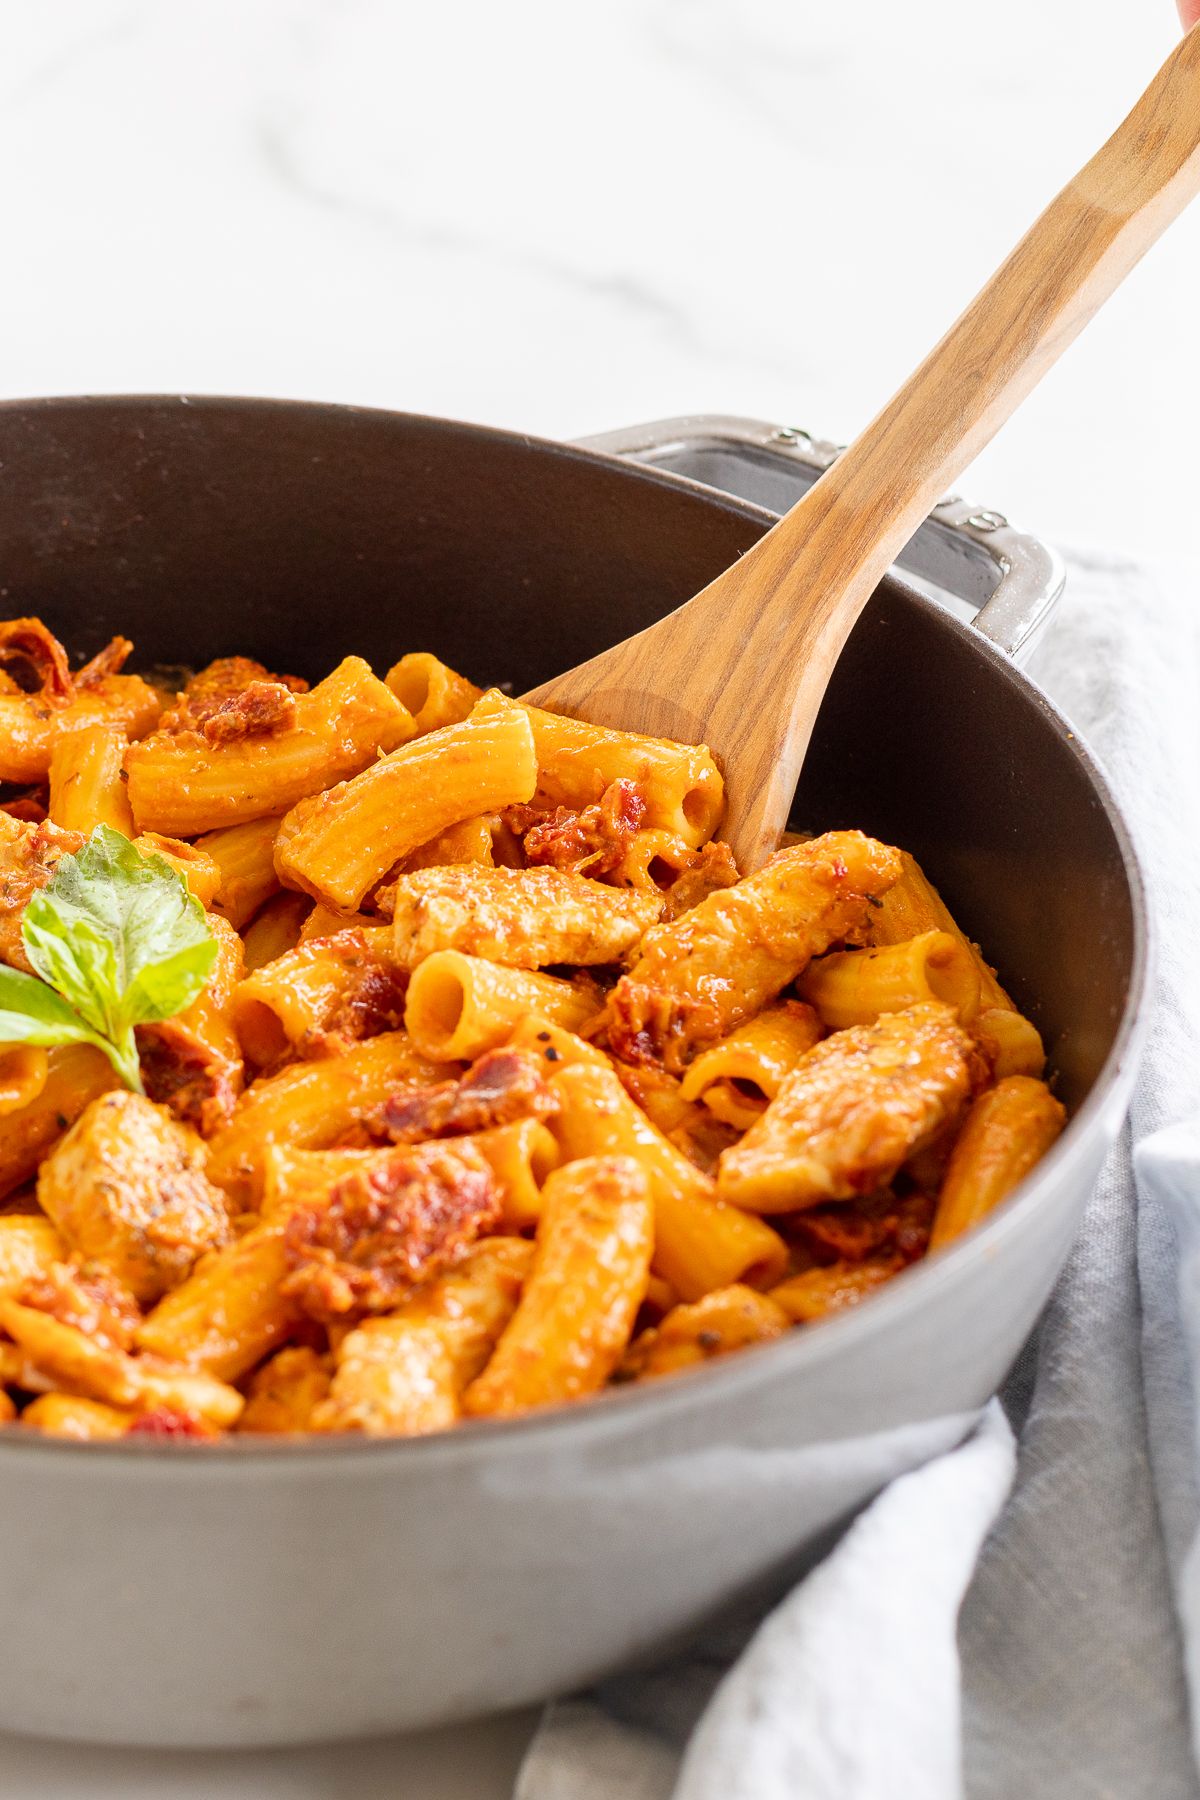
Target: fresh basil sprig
x,y
118,941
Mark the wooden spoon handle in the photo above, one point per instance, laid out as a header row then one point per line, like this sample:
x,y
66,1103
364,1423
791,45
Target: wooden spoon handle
x,y
804,584
1064,268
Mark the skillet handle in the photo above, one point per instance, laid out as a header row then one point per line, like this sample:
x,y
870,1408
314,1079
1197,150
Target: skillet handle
x,y
1005,581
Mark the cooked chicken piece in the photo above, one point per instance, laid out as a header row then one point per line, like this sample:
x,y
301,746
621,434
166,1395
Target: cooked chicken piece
x,y
695,979
727,1319
127,1189
284,1392
525,918
852,1110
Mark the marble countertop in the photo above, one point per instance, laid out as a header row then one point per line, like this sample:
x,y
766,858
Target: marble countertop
x,y
564,219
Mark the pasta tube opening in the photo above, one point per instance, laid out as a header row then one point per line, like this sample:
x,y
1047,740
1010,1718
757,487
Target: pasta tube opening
x,y
854,987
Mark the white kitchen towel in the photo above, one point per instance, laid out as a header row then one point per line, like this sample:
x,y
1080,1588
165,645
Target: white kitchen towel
x,y
1081,1622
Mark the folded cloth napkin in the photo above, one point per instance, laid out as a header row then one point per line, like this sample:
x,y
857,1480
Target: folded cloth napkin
x,y
1064,1671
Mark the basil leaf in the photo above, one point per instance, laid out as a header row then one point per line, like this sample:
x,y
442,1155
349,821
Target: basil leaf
x,y
118,941
119,935
32,1013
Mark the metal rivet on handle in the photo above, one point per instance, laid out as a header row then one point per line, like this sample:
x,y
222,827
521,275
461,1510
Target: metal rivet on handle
x,y
988,521
791,434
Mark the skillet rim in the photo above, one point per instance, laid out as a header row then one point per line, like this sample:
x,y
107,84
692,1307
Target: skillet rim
x,y
900,1297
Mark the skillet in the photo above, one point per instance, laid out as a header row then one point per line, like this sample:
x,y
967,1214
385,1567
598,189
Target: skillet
x,y
280,1592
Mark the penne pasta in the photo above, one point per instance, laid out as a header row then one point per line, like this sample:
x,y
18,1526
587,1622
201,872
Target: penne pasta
x,y
1007,1131
229,1313
817,1292
699,1243
71,1416
853,987
557,1047
459,1006
912,906
183,783
245,858
284,1394
92,1368
75,1075
1011,1043
309,1106
522,1156
325,921
468,842
405,1374
24,1069
278,928
590,1269
195,865
340,844
498,1060
321,996
193,1062
681,784
652,860
739,1076
432,692
30,728
87,780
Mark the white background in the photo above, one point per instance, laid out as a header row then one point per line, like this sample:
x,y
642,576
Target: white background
x,y
564,218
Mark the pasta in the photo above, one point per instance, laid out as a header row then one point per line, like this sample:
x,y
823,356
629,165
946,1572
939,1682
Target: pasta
x,y
739,1076
459,1006
339,844
245,860
433,693
87,784
184,782
497,1087
1007,1131
590,1267
682,785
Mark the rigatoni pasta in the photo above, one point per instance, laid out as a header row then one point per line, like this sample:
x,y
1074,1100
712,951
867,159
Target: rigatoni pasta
x,y
499,1085
341,843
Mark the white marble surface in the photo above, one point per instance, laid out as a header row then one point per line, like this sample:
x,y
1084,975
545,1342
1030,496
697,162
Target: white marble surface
x,y
565,218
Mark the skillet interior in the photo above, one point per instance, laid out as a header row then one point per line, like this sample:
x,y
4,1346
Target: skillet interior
x,y
298,533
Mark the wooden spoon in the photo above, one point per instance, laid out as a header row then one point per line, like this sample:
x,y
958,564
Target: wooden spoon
x,y
744,666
